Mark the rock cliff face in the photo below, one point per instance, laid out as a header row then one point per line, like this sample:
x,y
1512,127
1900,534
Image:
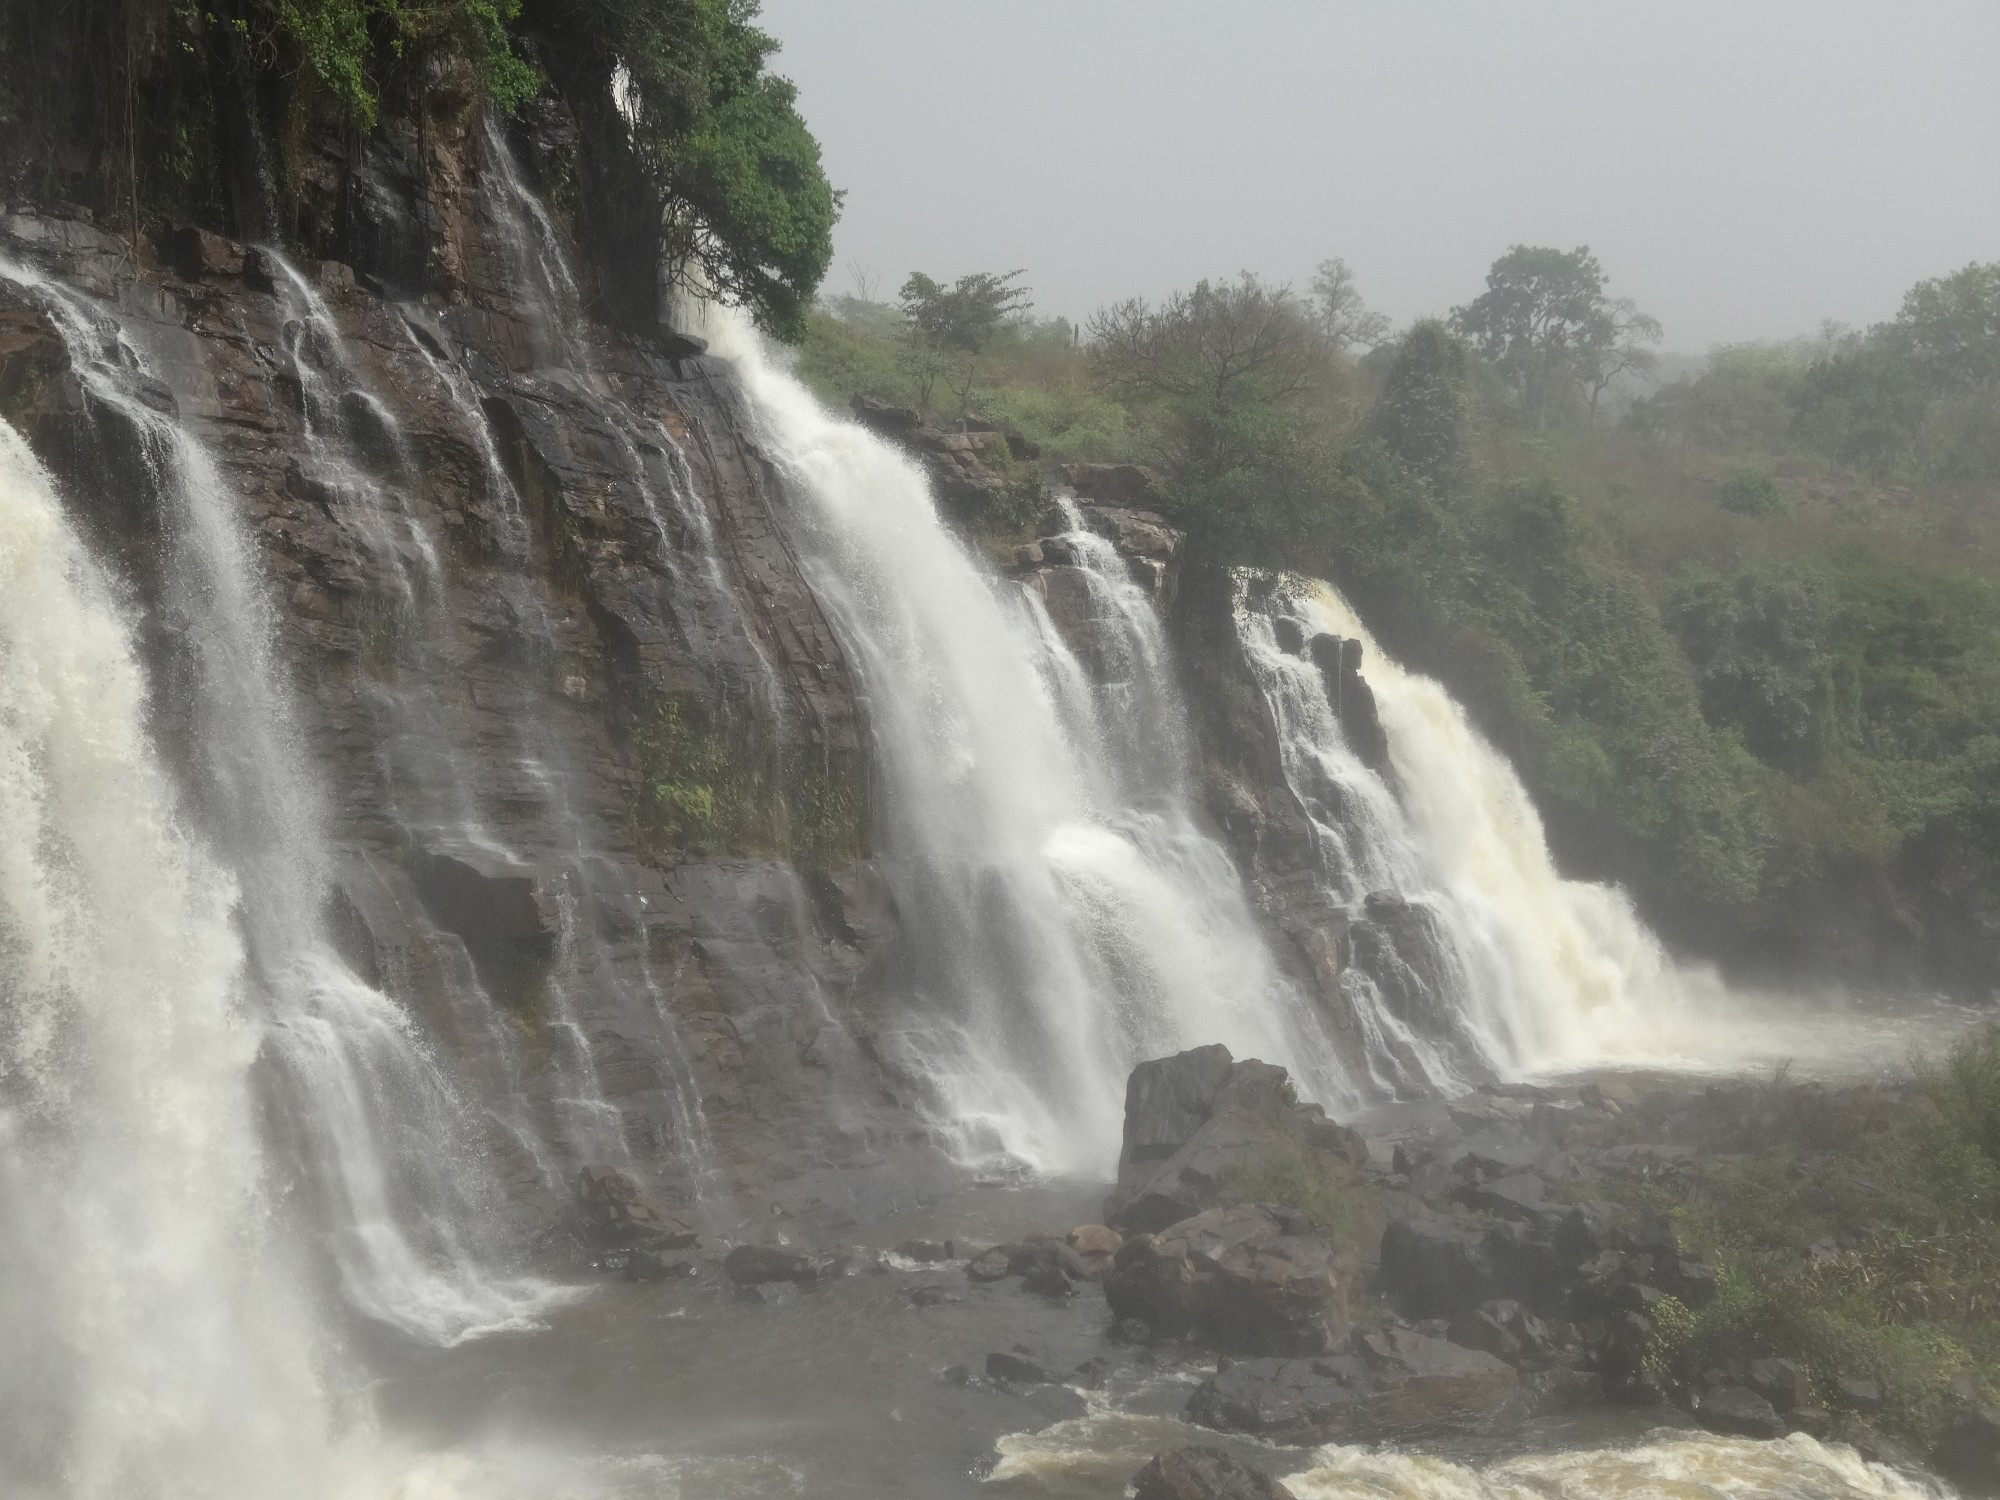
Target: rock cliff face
x,y
1267,830
594,769
592,759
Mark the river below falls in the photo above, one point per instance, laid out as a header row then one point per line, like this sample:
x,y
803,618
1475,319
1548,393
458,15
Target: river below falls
x,y
683,1390
839,1391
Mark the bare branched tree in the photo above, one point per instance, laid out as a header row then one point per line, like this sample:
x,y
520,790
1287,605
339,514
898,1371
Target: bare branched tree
x,y
1621,344
1344,318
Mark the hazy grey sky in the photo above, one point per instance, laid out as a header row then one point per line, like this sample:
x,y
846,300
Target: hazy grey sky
x,y
1743,169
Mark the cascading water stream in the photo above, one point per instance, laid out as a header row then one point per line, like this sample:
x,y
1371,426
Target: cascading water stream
x,y
1063,930
157,1340
369,1109
1496,961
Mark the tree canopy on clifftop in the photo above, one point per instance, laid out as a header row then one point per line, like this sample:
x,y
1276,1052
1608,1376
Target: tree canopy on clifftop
x,y
695,170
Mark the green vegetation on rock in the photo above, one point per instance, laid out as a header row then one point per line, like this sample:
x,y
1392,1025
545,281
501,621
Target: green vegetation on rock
x,y
698,171
1867,1251
715,784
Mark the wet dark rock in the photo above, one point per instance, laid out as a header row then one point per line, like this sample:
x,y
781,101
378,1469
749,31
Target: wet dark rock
x,y
617,1215
1052,1282
1016,1369
927,1252
1252,1278
1780,1382
990,1265
956,1375
1875,1445
758,1265
1135,533
1113,484
933,1296
1521,1196
500,908
1391,1384
1619,1351
1092,1373
1194,1118
1129,1330
1864,1396
1968,1452
1508,1331
1739,1412
197,253
886,418
644,1265
1204,1474
1436,1265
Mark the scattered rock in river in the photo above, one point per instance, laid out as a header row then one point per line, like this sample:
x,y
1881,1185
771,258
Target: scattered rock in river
x,y
1016,1369
1204,1474
1968,1454
1739,1412
1251,1278
617,1215
1095,1246
1391,1383
757,1265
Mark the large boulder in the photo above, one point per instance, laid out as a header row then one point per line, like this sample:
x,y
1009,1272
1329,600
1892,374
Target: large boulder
x,y
1204,1474
1252,1278
618,1216
1739,1412
1436,1265
1135,533
1968,1454
759,1265
1113,484
1193,1119
1391,1384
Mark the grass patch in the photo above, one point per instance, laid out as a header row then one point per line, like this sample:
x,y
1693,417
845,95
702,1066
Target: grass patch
x,y
1318,1187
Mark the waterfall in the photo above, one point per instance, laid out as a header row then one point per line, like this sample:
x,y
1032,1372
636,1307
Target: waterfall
x,y
1066,914
1476,955
367,1106
157,1342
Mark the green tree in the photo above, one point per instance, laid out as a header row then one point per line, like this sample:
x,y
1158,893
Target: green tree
x,y
947,328
337,41
966,314
1220,371
1547,327
1949,329
700,174
1421,415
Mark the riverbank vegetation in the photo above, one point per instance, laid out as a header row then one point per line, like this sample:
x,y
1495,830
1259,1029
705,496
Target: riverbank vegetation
x,y
1863,1246
1740,631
